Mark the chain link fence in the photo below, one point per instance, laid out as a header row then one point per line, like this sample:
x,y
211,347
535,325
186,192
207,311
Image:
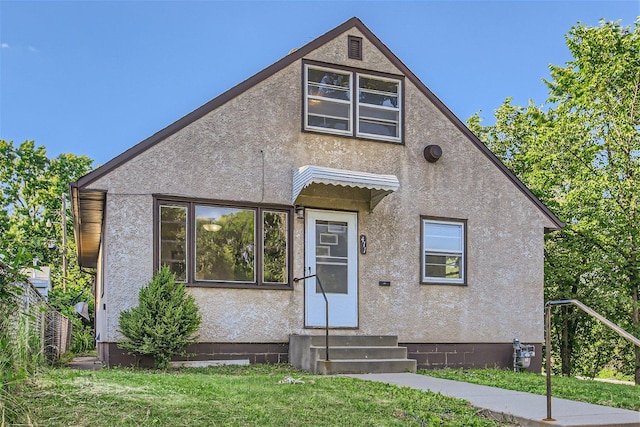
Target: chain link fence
x,y
42,320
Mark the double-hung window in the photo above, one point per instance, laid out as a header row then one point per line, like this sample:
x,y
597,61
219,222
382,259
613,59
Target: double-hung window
x,y
352,103
224,245
378,108
443,251
328,100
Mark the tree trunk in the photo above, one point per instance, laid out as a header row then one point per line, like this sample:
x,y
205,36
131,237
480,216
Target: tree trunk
x,y
634,279
566,341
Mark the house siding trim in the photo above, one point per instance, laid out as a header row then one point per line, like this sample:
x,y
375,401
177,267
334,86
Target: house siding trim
x,y
467,355
428,355
112,355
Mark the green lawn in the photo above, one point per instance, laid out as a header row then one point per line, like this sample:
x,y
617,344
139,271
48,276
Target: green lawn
x,y
228,396
601,393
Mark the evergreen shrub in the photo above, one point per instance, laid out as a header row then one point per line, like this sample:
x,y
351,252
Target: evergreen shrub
x,y
163,323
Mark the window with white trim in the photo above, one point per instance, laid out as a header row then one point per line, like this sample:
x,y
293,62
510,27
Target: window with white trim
x,y
333,103
443,251
378,108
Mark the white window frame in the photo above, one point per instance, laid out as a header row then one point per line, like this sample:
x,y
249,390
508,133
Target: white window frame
x,y
310,98
426,248
397,109
354,104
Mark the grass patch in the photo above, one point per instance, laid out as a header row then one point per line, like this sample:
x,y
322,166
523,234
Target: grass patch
x,y
233,396
600,393
609,373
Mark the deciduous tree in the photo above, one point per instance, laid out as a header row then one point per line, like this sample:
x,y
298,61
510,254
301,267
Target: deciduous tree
x,y
32,186
580,153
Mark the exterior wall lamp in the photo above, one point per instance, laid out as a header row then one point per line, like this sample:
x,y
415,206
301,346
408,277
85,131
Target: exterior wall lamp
x,y
299,209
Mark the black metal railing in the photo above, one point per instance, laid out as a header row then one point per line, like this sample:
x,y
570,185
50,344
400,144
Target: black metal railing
x,y
547,315
326,312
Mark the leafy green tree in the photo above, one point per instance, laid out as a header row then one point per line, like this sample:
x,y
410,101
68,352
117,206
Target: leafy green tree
x,y
275,247
32,216
32,186
163,323
580,153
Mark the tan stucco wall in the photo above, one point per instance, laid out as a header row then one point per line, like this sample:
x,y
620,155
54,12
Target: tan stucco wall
x,y
226,154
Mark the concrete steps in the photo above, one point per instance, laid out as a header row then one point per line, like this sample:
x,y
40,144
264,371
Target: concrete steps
x,y
359,352
371,366
349,354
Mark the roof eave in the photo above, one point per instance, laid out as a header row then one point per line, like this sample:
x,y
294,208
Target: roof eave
x,y
87,207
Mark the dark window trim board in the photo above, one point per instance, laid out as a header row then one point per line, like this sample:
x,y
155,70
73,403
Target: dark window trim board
x,y
465,248
159,200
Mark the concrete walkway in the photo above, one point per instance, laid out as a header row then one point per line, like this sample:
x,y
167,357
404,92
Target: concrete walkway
x,y
525,408
86,362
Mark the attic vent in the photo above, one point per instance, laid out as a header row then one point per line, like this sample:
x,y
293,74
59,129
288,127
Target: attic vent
x,y
355,47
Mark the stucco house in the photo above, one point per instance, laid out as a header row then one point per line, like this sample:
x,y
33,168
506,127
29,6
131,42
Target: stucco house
x,y
335,162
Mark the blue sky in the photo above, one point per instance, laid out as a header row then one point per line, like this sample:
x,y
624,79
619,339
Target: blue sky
x,y
97,77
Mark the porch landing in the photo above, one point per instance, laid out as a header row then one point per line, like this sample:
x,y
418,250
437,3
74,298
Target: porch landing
x,y
349,354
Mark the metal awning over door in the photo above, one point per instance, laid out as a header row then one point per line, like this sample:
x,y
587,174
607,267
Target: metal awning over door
x,y
377,186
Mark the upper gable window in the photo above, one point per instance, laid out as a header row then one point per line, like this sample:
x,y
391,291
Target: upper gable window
x,y
379,108
328,100
331,107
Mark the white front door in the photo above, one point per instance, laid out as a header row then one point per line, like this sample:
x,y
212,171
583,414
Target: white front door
x,y
331,250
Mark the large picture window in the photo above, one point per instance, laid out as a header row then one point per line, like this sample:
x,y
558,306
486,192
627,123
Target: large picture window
x,y
224,245
443,251
333,102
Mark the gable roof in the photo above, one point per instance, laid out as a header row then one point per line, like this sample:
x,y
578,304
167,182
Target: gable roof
x,y
281,64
